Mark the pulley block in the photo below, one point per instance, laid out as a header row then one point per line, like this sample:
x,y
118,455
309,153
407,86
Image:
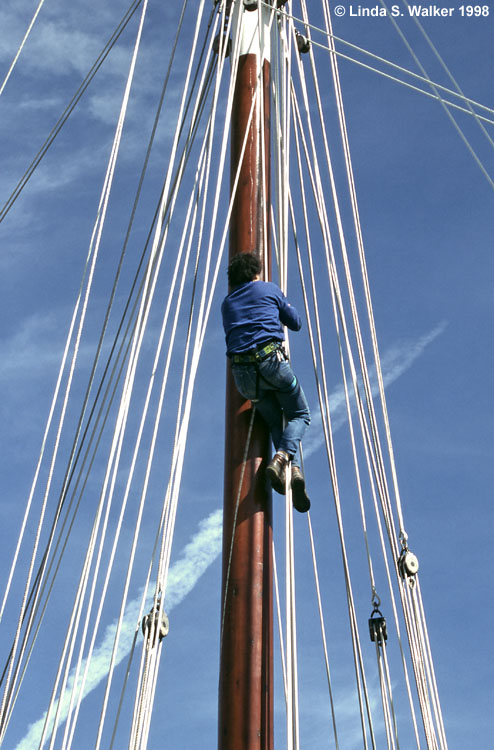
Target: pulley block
x,y
227,45
408,564
250,4
377,627
303,43
161,624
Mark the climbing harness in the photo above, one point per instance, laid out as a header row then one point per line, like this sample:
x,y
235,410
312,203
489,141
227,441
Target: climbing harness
x,y
254,356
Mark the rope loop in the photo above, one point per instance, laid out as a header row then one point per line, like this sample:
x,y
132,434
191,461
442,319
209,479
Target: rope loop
x,y
403,540
375,601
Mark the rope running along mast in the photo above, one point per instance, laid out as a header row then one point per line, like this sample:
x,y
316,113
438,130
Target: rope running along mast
x,y
246,658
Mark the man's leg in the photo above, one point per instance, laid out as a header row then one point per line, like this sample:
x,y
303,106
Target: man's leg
x,y
270,410
278,379
287,401
251,386
297,418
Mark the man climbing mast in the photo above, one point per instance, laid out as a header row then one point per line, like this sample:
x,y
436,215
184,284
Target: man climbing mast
x,y
254,313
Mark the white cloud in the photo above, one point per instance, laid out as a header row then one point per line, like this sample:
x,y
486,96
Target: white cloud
x,y
28,350
55,45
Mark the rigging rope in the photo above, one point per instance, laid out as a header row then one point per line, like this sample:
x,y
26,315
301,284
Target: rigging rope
x,y
71,455
289,718
21,46
470,103
93,254
69,109
324,405
362,361
451,78
281,74
75,662
441,101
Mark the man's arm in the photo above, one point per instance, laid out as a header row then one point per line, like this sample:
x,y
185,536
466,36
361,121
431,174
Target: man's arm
x,y
289,315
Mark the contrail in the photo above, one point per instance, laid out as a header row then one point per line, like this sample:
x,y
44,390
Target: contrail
x,y
204,547
395,361
202,550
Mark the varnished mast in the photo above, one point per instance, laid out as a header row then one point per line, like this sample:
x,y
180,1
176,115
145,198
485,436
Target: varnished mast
x,y
246,664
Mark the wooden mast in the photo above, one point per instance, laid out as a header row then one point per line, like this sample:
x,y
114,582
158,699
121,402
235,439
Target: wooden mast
x,y
246,653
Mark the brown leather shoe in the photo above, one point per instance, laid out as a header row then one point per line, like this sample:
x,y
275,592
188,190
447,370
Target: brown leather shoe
x,y
275,471
300,498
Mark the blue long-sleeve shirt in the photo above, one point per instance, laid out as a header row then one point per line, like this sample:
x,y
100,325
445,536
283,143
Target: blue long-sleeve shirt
x,y
255,313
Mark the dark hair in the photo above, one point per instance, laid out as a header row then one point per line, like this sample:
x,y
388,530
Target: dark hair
x,y
243,268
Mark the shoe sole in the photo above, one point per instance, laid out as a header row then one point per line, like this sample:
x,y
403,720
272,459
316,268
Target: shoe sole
x,y
300,499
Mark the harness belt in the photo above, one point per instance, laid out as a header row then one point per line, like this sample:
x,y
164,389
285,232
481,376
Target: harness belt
x,y
256,355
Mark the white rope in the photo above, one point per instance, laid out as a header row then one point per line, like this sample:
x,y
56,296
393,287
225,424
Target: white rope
x,y
21,46
67,647
326,424
470,103
263,41
282,74
430,95
137,528
348,276
105,417
327,431
107,495
143,418
389,715
361,416
292,717
332,465
431,676
201,303
282,69
159,409
201,333
443,103
346,391
98,229
93,253
185,398
204,309
452,78
203,314
139,736
279,620
323,632
69,109
57,564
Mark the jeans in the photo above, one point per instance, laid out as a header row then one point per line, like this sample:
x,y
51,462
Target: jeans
x,y
274,389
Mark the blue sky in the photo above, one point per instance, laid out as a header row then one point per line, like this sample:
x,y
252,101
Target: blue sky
x,y
426,212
